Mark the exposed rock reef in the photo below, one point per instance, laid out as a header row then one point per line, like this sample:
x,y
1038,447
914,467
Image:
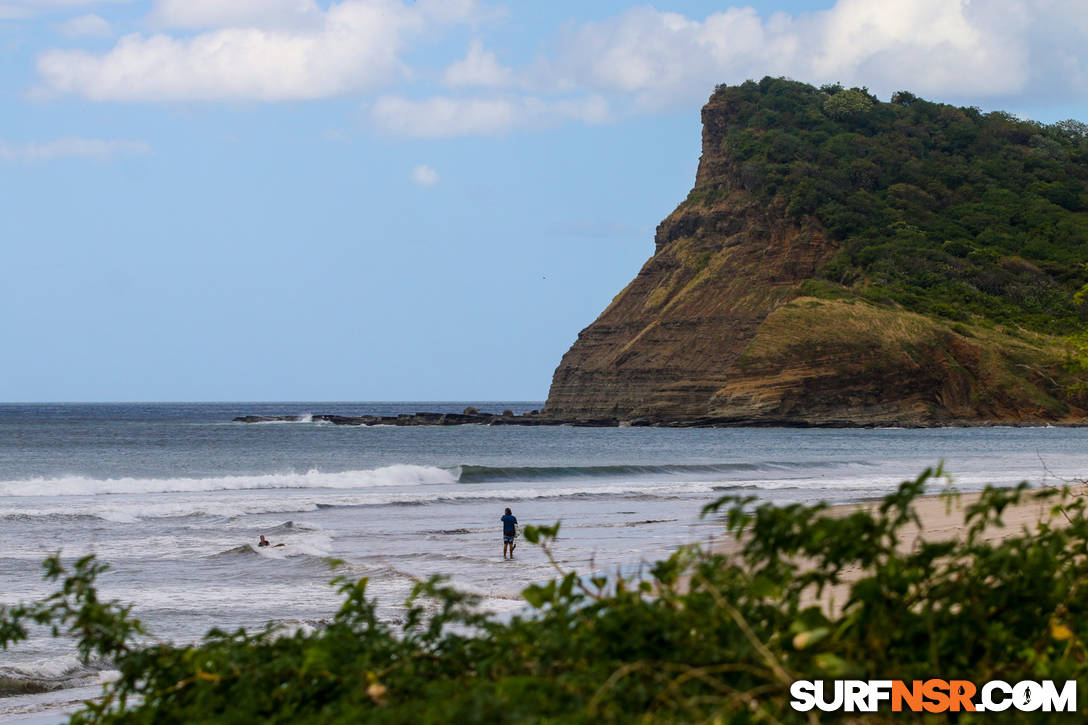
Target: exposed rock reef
x,y
469,417
717,329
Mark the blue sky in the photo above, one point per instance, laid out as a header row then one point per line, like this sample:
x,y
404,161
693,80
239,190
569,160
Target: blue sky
x,y
387,200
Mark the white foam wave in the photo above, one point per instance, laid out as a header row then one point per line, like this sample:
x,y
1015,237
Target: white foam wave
x,y
52,668
134,512
395,475
668,490
303,418
52,673
227,497
310,544
123,510
353,491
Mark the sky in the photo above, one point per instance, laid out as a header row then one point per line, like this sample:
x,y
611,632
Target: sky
x,y
247,200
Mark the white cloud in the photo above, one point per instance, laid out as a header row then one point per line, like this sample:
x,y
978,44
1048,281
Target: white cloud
x,y
976,50
641,59
661,57
478,68
424,175
88,148
444,117
236,13
354,45
85,26
933,46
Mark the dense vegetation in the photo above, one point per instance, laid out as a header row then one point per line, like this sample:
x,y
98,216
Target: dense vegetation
x,y
946,211
703,638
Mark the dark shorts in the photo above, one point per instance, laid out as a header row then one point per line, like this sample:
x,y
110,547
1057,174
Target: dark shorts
x,y
508,539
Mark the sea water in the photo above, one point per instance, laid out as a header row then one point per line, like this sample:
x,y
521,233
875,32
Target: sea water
x,y
175,497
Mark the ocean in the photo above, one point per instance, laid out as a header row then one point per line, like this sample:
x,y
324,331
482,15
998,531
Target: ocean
x,y
175,497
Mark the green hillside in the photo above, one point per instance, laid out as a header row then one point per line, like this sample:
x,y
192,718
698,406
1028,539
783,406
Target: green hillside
x,y
946,211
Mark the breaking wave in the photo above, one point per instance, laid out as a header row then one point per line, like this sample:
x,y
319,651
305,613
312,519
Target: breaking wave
x,y
395,475
484,474
403,474
46,675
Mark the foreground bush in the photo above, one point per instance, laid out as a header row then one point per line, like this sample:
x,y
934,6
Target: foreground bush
x,y
702,638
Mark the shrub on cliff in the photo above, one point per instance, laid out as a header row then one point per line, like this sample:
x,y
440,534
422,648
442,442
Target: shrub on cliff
x,y
927,200
702,638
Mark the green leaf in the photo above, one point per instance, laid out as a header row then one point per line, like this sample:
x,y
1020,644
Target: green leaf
x,y
831,664
804,640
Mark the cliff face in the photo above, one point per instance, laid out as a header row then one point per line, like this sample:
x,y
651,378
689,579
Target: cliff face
x,y
715,325
665,345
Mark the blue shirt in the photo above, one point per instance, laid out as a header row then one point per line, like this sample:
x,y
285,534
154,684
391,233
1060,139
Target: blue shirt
x,y
508,524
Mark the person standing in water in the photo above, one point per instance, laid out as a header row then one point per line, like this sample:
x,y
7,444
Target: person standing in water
x,y
509,531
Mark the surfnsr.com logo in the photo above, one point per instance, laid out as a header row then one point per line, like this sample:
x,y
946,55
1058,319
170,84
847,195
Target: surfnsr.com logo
x,y
933,696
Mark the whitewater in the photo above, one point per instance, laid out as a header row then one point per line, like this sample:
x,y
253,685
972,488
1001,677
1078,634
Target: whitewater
x,y
175,497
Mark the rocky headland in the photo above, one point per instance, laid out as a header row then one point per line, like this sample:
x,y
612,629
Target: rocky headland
x,y
820,273
843,261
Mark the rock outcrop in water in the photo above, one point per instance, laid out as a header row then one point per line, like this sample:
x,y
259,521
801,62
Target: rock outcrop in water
x,y
756,308
471,416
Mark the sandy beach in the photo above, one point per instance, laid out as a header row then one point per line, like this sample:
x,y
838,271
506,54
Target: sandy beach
x,y
943,519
